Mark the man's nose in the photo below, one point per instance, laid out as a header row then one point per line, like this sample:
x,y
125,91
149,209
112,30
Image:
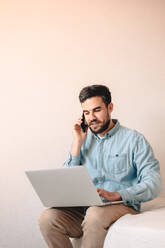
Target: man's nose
x,y
92,116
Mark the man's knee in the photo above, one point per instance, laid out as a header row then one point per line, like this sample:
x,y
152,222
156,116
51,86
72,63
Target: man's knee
x,y
93,217
94,212
47,217
93,228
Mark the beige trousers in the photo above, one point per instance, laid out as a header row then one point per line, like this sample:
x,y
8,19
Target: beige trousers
x,y
57,225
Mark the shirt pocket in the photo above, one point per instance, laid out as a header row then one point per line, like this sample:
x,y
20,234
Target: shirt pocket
x,y
117,164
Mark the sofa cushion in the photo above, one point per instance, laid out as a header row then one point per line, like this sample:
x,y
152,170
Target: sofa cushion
x,y
144,230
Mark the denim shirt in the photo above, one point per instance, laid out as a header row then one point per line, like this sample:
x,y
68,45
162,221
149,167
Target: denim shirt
x,y
122,161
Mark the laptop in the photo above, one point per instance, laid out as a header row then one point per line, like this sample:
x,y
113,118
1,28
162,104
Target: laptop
x,y
65,187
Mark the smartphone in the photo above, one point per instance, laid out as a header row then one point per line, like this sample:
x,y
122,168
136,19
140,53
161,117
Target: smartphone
x,y
83,124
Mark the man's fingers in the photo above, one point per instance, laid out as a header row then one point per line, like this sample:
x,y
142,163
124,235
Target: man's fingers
x,y
78,122
101,192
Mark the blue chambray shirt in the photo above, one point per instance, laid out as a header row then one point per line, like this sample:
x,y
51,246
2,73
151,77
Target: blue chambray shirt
x,y
122,161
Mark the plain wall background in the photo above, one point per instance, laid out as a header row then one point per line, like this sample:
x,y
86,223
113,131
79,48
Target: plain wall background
x,y
49,50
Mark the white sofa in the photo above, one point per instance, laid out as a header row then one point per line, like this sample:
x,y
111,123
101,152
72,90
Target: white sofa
x,y
144,230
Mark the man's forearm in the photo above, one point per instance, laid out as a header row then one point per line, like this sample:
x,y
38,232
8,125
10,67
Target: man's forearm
x,y
76,147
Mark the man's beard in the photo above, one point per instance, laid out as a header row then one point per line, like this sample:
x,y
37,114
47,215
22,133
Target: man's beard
x,y
102,128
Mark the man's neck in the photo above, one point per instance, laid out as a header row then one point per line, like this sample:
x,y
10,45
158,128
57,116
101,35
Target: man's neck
x,y
111,125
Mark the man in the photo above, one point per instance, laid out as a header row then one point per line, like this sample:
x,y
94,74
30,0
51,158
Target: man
x,y
121,164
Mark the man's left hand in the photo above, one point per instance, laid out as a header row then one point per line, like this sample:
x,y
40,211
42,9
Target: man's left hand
x,y
109,196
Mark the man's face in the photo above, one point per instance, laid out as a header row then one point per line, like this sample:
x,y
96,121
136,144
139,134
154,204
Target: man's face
x,y
97,115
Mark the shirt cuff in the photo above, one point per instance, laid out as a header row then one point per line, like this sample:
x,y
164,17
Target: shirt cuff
x,y
73,160
127,197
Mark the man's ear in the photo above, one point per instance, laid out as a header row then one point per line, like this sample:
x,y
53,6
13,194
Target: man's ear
x,y
110,107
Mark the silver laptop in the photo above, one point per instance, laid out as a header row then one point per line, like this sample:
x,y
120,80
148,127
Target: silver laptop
x,y
65,187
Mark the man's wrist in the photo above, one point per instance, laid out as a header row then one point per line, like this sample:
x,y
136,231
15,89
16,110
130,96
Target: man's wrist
x,y
118,196
76,147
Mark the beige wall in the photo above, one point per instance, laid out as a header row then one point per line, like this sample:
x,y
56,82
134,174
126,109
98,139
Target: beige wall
x,y
49,50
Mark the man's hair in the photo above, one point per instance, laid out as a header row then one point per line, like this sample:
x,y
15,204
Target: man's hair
x,y
95,90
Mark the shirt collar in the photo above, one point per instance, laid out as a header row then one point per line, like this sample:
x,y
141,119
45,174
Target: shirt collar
x,y
112,131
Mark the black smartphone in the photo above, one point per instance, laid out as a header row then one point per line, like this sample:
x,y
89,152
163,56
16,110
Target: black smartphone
x,y
83,124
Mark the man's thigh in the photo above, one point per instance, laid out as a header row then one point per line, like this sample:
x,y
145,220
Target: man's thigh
x,y
67,220
71,219
106,215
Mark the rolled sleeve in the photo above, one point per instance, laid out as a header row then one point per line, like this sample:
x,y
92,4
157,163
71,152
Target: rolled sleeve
x,y
148,184
72,161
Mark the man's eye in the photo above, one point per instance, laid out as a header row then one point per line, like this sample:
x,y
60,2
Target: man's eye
x,y
97,110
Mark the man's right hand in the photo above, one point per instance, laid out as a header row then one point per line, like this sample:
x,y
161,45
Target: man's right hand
x,y
78,137
78,134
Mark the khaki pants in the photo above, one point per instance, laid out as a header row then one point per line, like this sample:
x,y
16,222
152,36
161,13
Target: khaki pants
x,y
59,224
